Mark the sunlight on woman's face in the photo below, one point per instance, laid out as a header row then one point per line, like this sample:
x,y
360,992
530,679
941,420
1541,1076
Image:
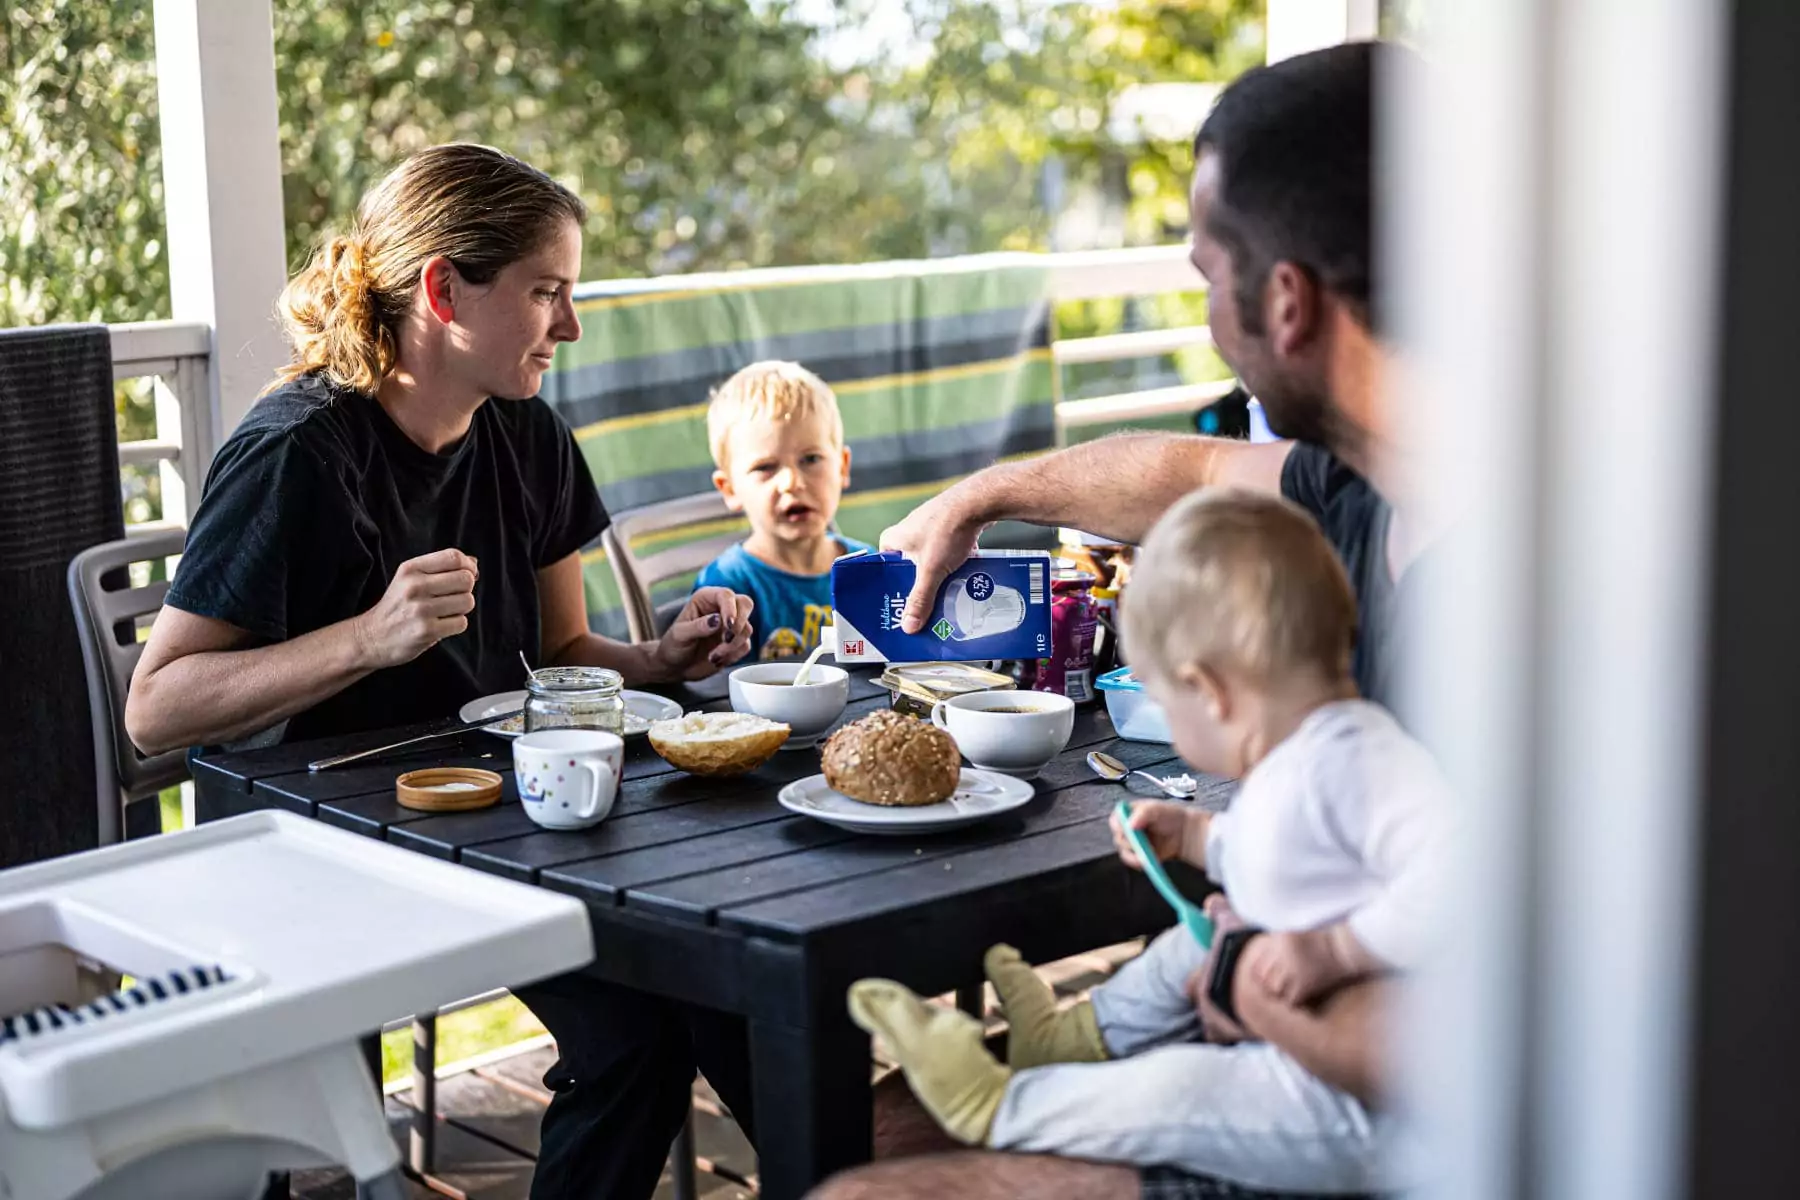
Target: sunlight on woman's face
x,y
511,327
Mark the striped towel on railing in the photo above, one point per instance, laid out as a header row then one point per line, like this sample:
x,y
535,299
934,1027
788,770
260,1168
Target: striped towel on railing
x,y
144,994
940,368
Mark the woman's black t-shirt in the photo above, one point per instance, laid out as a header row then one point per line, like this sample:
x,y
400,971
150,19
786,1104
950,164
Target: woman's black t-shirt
x,y
317,498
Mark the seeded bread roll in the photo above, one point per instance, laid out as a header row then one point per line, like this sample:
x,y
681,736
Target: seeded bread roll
x,y
892,760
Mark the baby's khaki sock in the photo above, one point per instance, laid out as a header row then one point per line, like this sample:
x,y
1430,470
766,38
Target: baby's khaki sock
x,y
940,1051
1039,1032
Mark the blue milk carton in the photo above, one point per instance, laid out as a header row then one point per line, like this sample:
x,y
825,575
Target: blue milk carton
x,y
995,606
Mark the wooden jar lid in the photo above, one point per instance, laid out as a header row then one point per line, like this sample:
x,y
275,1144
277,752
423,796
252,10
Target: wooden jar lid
x,y
447,789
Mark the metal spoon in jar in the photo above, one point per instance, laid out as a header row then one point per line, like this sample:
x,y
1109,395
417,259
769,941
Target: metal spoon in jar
x,y
1108,767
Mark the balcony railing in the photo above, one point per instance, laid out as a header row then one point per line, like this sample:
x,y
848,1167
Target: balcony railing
x,y
178,356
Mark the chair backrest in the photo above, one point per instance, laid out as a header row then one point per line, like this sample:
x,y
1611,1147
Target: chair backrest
x,y
107,611
638,576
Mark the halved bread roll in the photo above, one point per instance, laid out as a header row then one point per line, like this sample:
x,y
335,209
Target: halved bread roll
x,y
891,760
722,743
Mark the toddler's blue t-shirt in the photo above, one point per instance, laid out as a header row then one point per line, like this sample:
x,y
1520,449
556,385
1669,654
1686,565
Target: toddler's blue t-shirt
x,y
791,609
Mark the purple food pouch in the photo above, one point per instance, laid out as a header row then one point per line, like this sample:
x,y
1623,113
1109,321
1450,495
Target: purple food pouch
x,y
1069,671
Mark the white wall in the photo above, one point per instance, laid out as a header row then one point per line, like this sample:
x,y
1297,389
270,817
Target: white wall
x,y
1296,26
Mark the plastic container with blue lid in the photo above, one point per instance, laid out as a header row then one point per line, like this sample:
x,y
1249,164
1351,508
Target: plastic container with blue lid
x,y
1135,716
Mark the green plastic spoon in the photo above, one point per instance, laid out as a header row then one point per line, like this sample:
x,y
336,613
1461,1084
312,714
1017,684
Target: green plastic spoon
x,y
1191,914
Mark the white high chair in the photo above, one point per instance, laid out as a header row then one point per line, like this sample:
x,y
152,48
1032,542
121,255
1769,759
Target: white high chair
x,y
261,949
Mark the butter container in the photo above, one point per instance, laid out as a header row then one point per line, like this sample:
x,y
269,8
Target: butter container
x,y
995,606
917,687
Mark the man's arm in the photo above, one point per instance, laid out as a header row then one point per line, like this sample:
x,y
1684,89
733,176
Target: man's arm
x,y
1116,487
1342,1040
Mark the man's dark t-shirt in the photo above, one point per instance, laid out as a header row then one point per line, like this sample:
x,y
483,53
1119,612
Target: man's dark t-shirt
x,y
1355,519
317,498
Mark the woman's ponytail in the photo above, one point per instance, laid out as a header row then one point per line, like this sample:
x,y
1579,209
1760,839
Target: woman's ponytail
x,y
333,320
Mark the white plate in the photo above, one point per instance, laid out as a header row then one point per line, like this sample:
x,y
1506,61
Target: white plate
x,y
641,709
980,795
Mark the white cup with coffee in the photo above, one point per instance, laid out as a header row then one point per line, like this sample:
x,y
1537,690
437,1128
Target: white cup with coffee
x,y
568,778
1013,733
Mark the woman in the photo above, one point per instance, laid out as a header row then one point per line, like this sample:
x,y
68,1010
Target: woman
x,y
395,520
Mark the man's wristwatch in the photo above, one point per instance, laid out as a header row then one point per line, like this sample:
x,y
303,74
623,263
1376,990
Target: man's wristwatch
x,y
1225,960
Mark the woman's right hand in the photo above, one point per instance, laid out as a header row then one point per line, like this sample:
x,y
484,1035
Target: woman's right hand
x,y
1164,826
429,600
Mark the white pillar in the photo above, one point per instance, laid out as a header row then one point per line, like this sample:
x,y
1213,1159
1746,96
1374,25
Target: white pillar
x,y
1296,26
215,73
1552,214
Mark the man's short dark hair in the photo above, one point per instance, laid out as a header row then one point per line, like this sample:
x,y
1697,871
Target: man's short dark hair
x,y
1294,144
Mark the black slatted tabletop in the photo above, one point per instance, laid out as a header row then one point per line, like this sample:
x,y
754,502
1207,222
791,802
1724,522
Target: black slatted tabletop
x,y
709,891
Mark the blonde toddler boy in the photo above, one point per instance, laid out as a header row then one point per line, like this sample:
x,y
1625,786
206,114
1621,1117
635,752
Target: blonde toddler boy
x,y
778,445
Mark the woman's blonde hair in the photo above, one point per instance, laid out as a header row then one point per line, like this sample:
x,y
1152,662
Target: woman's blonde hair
x,y
1239,581
474,205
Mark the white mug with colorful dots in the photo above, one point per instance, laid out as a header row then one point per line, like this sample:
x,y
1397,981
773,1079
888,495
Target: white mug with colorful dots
x,y
568,778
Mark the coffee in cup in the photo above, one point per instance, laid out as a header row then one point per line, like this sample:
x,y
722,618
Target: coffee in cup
x,y
1012,733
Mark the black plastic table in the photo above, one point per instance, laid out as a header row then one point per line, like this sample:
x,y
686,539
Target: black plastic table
x,y
709,891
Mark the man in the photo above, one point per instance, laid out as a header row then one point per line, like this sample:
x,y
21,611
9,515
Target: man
x,y
1281,218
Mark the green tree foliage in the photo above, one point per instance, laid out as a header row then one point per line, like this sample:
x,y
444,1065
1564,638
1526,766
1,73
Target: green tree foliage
x,y
81,185
1010,85
80,168
694,128
704,134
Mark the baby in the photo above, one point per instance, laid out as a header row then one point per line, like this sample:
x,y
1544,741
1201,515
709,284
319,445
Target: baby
x,y
1240,622
778,443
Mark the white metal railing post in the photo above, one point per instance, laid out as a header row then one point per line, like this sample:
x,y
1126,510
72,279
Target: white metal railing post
x,y
1296,26
215,72
173,403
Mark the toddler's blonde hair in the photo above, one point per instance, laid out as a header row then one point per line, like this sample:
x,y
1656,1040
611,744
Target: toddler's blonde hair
x,y
1239,582
769,391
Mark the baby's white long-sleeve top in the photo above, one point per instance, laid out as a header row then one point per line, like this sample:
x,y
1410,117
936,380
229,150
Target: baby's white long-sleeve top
x,y
1347,818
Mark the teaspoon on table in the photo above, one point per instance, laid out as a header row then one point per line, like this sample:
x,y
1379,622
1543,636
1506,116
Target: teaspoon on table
x,y
1108,767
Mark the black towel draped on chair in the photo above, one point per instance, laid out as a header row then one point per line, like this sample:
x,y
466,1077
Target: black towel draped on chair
x,y
59,494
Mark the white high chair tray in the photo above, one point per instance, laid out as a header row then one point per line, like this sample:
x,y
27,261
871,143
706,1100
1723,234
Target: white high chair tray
x,y
329,935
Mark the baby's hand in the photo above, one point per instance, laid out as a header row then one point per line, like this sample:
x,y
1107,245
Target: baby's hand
x,y
1164,826
1297,967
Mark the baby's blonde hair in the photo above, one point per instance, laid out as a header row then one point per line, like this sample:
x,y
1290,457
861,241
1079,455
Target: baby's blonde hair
x,y
1240,582
769,391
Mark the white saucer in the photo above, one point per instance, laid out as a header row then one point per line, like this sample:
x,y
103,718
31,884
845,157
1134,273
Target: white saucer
x,y
980,795
641,710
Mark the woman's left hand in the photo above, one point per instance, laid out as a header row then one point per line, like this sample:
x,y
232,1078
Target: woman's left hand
x,y
711,632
